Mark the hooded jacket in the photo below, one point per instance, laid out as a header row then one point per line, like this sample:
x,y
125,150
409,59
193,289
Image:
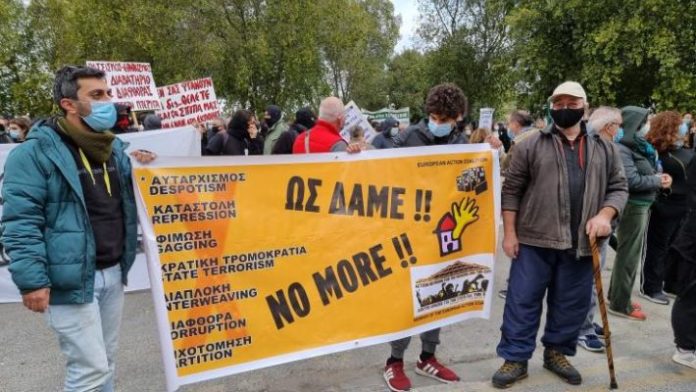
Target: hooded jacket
x,y
275,128
47,231
640,169
235,141
384,139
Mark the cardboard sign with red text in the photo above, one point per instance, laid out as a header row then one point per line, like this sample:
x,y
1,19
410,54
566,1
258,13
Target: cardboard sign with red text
x,y
131,84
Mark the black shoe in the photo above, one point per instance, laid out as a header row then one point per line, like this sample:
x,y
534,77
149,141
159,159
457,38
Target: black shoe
x,y
559,365
509,373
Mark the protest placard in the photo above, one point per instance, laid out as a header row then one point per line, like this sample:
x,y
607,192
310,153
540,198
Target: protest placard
x,y
486,118
258,261
189,102
131,84
354,117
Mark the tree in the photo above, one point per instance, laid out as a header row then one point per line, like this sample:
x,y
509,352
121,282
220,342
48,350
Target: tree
x,y
356,39
467,43
407,81
642,55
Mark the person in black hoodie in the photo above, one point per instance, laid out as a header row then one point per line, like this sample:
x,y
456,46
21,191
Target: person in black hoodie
x,y
242,137
669,208
304,120
388,130
682,254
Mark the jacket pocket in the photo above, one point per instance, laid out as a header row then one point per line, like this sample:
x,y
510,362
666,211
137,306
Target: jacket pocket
x,y
65,276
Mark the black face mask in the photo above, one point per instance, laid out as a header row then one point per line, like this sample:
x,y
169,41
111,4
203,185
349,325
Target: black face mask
x,y
566,118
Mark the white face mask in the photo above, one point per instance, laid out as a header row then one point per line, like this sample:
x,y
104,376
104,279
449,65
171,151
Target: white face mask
x,y
394,131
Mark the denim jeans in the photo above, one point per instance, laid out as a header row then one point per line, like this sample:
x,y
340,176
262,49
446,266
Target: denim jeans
x,y
88,334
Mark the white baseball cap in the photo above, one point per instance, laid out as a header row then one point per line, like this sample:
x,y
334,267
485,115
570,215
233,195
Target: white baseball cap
x,y
574,89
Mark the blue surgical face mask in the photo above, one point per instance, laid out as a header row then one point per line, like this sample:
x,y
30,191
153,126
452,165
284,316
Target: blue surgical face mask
x,y
14,134
439,130
619,135
683,129
511,134
103,116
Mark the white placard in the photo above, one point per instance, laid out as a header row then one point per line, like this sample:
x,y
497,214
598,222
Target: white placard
x,y
188,102
131,84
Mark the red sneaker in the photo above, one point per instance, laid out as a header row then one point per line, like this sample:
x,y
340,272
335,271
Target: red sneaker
x,y
434,369
636,314
396,378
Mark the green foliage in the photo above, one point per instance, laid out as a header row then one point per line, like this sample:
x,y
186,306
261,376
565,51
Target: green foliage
x,y
258,52
406,82
638,52
502,53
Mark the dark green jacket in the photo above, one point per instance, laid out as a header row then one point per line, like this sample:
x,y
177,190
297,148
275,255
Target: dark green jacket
x,y
46,229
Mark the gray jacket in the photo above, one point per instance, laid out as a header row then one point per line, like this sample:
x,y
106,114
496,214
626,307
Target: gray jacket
x,y
536,187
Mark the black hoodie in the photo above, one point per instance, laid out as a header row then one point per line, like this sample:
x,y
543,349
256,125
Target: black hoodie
x,y
236,141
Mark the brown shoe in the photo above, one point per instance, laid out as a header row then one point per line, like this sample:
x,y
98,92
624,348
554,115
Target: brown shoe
x,y
559,365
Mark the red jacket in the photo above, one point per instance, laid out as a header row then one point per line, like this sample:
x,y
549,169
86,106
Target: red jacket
x,y
322,137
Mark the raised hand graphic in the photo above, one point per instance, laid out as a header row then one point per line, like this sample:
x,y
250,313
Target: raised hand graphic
x,y
465,213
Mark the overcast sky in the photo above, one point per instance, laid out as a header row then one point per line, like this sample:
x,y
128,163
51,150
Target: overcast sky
x,y
408,9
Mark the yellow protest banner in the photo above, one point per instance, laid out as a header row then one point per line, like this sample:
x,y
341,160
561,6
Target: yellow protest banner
x,y
256,261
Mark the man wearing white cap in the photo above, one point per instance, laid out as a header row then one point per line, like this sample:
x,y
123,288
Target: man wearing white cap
x,y
563,188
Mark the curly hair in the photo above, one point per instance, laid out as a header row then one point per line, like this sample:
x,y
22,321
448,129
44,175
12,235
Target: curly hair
x,y
479,135
446,100
664,130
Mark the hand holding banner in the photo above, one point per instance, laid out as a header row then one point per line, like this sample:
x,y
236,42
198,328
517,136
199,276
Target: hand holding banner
x,y
258,261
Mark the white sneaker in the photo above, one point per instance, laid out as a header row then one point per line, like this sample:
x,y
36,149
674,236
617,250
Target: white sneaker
x,y
685,357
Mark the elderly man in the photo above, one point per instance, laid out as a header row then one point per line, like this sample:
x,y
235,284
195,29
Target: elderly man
x,y
324,136
548,234
606,122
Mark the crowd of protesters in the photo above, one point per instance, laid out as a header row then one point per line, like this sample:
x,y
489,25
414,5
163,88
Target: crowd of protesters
x,y
625,178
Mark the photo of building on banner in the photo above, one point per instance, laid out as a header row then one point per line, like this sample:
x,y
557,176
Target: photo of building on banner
x,y
231,296
131,84
189,102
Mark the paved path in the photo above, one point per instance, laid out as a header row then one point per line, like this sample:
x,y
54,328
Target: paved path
x,y
30,359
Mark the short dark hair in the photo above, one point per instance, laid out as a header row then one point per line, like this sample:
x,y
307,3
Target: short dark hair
x,y
446,99
522,117
65,84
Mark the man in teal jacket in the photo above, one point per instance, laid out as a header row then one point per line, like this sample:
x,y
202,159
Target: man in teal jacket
x,y
70,225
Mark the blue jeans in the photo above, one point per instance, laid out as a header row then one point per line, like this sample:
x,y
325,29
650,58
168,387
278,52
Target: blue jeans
x,y
567,284
88,334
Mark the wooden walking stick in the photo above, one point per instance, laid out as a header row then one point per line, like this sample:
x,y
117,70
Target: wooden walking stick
x,y
603,311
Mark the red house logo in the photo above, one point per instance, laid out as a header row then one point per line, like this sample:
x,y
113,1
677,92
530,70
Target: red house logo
x,y
445,235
